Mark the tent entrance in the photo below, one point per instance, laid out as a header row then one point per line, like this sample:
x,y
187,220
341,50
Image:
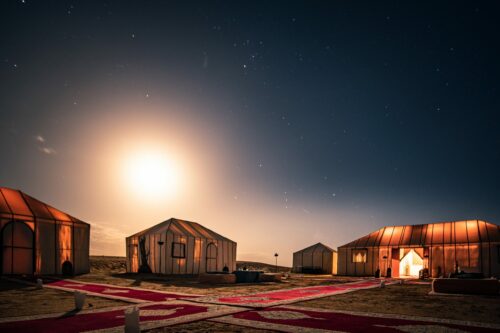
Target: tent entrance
x,y
410,264
211,258
67,268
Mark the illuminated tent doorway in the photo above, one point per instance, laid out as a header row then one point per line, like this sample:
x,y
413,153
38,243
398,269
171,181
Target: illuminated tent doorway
x,y
411,264
473,245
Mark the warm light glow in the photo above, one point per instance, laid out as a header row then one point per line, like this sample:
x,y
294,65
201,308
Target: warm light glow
x,y
359,256
152,175
411,264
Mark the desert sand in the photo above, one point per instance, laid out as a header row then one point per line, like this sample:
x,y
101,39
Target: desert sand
x,y
407,299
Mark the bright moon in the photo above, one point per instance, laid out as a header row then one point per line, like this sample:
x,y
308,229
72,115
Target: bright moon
x,y
152,175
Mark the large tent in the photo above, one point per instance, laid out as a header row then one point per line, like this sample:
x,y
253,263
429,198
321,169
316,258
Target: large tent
x,y
317,258
442,248
36,238
179,247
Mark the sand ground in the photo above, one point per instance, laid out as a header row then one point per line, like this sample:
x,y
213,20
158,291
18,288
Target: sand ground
x,y
413,300
23,300
407,299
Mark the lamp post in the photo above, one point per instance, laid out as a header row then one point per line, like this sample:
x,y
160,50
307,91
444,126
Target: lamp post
x,y
276,256
160,243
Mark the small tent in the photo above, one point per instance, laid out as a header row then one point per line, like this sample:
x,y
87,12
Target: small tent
x,y
317,258
36,238
179,247
471,246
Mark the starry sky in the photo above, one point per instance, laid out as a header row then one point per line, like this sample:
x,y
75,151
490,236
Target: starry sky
x,y
290,122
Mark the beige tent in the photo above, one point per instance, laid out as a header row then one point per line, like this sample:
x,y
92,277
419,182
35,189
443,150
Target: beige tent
x,y
36,238
179,247
472,246
317,258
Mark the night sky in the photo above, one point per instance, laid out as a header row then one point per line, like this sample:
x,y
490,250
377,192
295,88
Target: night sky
x,y
291,122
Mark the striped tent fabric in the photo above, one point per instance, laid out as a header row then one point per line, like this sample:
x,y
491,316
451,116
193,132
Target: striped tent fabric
x,y
318,258
472,245
37,238
177,246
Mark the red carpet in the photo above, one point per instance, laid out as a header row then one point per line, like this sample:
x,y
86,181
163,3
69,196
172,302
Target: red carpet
x,y
279,297
295,319
151,316
135,295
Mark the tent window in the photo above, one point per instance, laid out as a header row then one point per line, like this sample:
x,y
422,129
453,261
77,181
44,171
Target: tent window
x,y
178,250
359,255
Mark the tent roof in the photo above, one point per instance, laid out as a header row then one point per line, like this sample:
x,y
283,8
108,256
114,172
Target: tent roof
x,y
317,246
15,204
182,227
457,232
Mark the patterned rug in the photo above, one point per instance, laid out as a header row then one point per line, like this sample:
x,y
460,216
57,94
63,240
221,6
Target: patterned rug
x,y
151,315
287,296
300,319
129,294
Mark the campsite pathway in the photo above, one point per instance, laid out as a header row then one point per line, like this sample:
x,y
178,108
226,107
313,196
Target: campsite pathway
x,y
129,294
287,296
299,319
268,312
152,315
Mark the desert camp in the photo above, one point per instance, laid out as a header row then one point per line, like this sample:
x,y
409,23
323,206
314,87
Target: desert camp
x,y
438,248
317,258
195,270
179,247
39,239
249,166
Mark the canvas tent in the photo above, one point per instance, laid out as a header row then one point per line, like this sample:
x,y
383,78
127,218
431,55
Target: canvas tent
x,y
36,238
180,247
470,246
317,258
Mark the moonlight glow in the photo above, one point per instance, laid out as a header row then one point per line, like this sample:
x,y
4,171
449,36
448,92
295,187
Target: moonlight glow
x,y
151,175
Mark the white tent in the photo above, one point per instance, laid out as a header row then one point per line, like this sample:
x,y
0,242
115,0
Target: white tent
x,y
442,248
36,238
179,247
317,258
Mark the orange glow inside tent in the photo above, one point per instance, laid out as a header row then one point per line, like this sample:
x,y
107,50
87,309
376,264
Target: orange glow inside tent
x,y
36,238
471,246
